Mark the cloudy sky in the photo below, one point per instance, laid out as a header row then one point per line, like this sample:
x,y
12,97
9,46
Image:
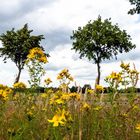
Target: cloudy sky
x,y
56,19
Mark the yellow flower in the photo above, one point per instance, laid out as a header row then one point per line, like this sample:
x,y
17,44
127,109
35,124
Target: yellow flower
x,y
97,108
116,76
44,95
99,88
38,54
56,120
64,74
71,78
65,97
125,115
74,96
4,92
59,101
125,66
19,85
30,113
48,81
135,107
90,91
137,128
59,118
85,106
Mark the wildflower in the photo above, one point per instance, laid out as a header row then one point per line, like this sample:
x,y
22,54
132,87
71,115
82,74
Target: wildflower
x,y
114,79
125,66
44,95
48,81
59,118
3,95
30,115
137,128
135,107
56,120
74,96
125,115
99,88
85,106
59,101
4,92
38,54
97,108
90,91
44,109
65,96
64,75
114,76
19,85
35,59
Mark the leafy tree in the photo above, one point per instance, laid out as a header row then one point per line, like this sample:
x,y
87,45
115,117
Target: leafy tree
x,y
16,46
136,9
100,40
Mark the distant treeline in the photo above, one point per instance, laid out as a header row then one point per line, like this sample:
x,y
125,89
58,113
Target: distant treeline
x,y
79,89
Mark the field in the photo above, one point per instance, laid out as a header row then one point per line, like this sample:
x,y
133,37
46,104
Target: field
x,y
58,115
111,113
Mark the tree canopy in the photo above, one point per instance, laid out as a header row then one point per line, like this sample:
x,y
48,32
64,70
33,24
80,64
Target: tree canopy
x,y
136,9
17,44
100,40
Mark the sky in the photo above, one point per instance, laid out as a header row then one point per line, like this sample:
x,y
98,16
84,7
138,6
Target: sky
x,y
56,20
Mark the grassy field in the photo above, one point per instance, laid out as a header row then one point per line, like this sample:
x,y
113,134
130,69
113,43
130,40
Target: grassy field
x,y
56,115
60,114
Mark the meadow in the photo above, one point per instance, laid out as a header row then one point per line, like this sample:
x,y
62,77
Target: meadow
x,y
60,114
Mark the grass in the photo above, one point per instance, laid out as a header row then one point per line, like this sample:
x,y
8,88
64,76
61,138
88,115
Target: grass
x,y
77,116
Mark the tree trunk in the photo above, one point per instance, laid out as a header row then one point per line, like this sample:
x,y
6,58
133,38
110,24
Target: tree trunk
x,y
18,76
99,74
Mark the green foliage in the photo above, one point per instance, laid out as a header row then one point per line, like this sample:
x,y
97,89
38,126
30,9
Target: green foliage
x,y
32,116
16,46
136,9
36,71
100,40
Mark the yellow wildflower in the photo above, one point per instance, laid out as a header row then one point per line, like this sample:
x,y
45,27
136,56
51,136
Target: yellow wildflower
x,y
85,106
99,88
90,91
125,66
48,81
137,128
59,118
74,96
65,97
19,85
44,95
59,101
135,107
64,74
115,76
4,92
38,54
125,115
97,108
56,120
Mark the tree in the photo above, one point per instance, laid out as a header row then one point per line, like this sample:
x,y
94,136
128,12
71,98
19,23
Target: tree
x,y
16,46
135,10
100,40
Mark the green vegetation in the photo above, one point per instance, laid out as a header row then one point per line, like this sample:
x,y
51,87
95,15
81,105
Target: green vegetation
x,y
46,113
16,46
136,9
63,115
100,40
